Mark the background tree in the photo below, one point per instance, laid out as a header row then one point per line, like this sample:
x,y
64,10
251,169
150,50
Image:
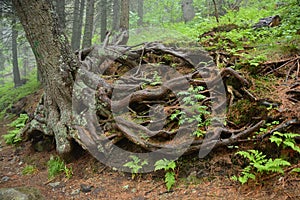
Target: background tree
x,y
188,10
124,21
89,24
116,15
60,9
77,23
140,12
103,6
14,44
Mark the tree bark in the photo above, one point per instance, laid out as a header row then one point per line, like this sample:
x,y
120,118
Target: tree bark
x,y
77,24
60,9
140,12
56,62
188,10
103,19
124,22
2,58
14,37
89,24
116,15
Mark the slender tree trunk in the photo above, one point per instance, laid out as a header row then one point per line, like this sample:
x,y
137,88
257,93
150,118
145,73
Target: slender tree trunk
x,y
188,10
56,62
60,9
16,71
124,21
103,19
116,15
140,12
89,24
77,23
216,11
25,60
2,59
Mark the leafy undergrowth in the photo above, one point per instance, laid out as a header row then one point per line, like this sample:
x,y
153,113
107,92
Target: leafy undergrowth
x,y
10,94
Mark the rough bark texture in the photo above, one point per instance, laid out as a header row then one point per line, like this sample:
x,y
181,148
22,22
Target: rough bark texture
x,y
56,63
116,15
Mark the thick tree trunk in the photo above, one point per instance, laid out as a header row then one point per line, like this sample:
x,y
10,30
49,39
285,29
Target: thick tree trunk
x,y
14,37
56,62
89,24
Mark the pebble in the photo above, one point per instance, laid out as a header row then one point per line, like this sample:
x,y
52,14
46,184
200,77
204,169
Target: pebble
x,y
54,185
75,192
5,179
85,188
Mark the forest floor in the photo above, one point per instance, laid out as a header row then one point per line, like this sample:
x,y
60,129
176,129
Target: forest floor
x,y
196,179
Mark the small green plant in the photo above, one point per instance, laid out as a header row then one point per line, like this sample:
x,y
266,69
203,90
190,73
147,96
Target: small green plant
x,y
168,166
194,111
29,169
135,165
13,136
259,164
57,166
267,127
286,140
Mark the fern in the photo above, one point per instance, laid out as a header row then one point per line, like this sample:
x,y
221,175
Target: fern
x,y
135,165
259,163
168,166
13,136
286,140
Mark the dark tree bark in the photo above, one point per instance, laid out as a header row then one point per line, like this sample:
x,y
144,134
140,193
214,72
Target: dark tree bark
x,y
56,62
103,19
89,24
116,15
140,12
14,37
61,11
2,58
124,22
216,10
77,24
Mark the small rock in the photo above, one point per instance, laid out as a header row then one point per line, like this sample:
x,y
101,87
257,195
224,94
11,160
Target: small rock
x,y
75,192
54,185
133,190
5,179
85,188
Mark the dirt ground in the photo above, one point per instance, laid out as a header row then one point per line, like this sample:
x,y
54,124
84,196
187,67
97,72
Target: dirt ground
x,y
193,181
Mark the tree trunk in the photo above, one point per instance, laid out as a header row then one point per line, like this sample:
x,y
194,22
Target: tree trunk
x,y
103,19
89,24
216,11
25,60
116,15
60,9
77,24
2,58
124,22
16,71
56,62
140,12
188,10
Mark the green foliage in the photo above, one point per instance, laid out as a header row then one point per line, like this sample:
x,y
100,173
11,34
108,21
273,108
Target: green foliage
x,y
10,95
286,140
296,170
135,165
168,166
29,169
190,99
13,136
56,166
267,127
259,163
